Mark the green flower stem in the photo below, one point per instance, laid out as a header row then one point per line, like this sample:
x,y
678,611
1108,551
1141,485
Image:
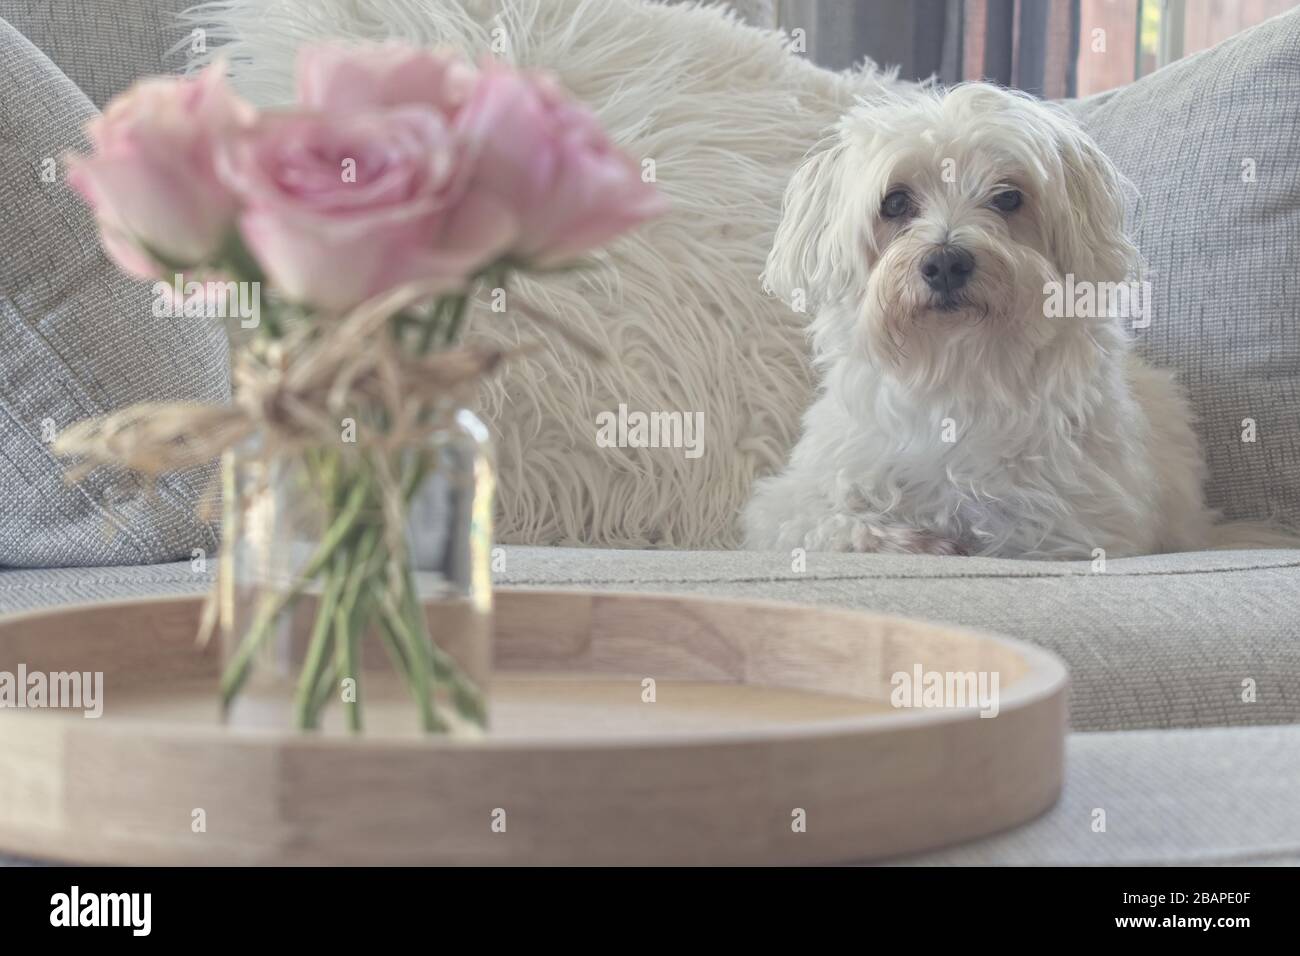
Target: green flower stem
x,y
350,618
393,644
443,326
236,673
328,680
347,664
429,330
323,464
465,694
306,708
357,625
418,672
353,560
457,318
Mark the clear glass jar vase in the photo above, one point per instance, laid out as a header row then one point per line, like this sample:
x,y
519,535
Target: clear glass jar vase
x,y
355,589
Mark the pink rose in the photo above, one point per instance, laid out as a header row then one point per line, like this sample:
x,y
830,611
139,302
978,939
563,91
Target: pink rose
x,y
550,161
151,180
333,76
339,208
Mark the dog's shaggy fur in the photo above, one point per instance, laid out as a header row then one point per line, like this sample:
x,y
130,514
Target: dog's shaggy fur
x,y
966,420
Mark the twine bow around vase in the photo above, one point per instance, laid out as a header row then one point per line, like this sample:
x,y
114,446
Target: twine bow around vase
x,y
289,398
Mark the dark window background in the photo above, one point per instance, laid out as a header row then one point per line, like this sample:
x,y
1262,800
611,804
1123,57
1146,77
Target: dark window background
x,y
1052,48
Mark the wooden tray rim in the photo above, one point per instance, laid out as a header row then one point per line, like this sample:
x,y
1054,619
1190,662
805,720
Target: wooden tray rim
x,y
1045,677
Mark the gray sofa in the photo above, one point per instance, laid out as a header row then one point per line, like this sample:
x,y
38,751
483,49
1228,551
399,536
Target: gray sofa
x,y
1159,648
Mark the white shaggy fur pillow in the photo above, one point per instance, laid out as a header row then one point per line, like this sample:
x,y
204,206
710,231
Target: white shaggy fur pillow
x,y
727,113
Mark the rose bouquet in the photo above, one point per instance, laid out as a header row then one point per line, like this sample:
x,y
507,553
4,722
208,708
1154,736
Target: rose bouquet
x,y
370,211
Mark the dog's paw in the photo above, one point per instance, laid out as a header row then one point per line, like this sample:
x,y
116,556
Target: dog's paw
x,y
866,535
912,541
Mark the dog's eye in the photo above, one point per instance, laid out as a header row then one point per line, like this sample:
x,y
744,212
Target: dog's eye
x,y
1008,200
898,203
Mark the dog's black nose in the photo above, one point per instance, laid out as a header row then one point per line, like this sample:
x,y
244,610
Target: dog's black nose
x,y
947,268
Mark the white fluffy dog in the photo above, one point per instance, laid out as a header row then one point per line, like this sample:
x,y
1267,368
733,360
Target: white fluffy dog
x,y
955,415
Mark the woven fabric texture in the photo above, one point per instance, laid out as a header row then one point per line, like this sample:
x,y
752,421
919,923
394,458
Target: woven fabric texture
x,y
1210,142
104,47
78,339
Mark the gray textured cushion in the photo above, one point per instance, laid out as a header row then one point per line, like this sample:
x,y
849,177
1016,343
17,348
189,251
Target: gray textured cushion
x,y
77,339
1152,642
1223,252
1161,641
102,47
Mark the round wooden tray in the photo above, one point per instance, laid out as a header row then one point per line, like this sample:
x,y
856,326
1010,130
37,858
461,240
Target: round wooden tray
x,y
770,739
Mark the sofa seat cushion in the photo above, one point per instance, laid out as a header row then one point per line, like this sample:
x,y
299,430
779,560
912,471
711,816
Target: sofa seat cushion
x,y
1164,641
1157,641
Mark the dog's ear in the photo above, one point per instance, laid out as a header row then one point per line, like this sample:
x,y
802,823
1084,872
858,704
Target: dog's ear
x,y
809,262
1087,238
